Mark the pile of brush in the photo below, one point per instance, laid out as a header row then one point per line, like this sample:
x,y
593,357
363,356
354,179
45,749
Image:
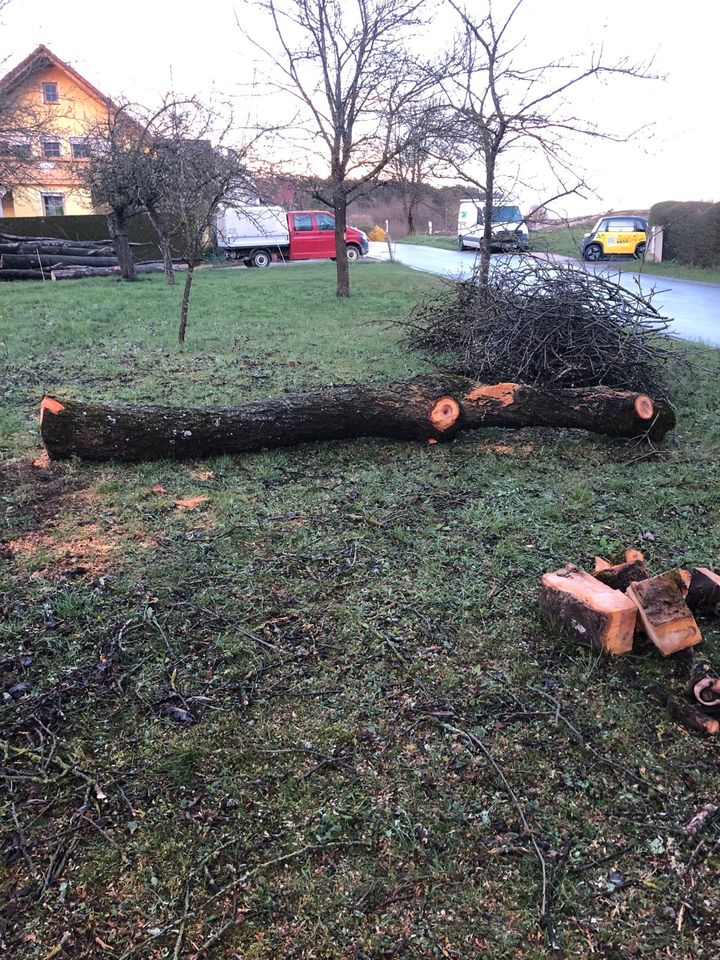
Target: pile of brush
x,y
546,323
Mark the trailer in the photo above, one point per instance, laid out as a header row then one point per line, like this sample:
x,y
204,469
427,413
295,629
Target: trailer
x,y
259,235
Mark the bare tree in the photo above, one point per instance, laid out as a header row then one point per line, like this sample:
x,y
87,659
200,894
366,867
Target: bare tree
x,y
500,105
418,159
117,163
23,123
188,180
349,68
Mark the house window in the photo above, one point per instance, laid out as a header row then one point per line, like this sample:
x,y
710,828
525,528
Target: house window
x,y
79,148
53,204
15,148
50,93
51,149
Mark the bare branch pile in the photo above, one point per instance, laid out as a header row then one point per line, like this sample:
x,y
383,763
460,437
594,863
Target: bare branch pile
x,y
547,324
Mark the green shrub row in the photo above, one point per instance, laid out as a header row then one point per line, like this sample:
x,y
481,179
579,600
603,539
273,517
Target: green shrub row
x,y
88,227
691,231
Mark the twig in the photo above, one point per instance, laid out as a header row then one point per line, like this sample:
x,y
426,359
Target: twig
x,y
477,742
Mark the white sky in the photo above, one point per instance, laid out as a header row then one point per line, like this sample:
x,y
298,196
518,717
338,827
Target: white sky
x,y
142,48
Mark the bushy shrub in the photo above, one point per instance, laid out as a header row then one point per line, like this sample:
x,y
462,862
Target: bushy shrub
x,y
377,233
691,232
549,325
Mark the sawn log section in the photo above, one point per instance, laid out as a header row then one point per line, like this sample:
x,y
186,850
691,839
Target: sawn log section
x,y
427,408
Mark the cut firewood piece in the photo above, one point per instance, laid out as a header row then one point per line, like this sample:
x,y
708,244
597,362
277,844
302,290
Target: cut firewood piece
x,y
704,592
602,564
664,615
621,575
588,609
703,682
687,713
632,555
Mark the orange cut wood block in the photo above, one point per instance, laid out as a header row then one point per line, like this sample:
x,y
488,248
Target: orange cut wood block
x,y
588,609
664,615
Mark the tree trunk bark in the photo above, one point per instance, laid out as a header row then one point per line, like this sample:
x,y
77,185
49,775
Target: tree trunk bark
x,y
185,305
27,261
118,232
487,226
341,260
164,244
427,408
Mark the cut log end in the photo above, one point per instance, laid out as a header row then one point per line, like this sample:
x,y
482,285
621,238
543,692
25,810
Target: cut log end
x,y
50,405
444,413
644,407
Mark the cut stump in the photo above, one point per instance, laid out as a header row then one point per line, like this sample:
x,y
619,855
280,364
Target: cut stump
x,y
588,609
664,615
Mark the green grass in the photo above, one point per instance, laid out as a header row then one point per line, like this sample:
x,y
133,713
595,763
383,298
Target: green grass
x,y
423,240
323,614
565,241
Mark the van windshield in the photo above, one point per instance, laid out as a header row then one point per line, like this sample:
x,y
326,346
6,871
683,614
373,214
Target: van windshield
x,y
506,214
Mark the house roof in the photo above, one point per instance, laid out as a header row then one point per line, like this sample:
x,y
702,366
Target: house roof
x,y
40,58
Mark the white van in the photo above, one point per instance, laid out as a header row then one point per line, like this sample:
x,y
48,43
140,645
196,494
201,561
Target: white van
x,y
509,229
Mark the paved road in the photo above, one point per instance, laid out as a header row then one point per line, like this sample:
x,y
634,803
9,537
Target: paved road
x,y
694,308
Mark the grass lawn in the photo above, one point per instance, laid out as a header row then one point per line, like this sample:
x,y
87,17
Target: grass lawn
x,y
331,616
565,241
423,240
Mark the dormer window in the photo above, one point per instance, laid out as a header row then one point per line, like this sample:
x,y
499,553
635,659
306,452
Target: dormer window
x,y
50,93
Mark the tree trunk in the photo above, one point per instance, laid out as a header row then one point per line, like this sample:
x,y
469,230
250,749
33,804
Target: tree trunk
x,y
27,261
185,306
487,226
427,408
118,231
410,216
341,260
164,244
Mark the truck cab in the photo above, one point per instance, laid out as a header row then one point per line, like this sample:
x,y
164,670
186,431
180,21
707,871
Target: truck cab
x,y
509,229
312,236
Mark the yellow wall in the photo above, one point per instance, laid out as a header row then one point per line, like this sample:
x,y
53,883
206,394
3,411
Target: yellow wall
x,y
76,114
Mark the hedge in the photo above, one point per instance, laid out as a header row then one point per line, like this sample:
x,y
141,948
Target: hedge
x,y
88,227
691,231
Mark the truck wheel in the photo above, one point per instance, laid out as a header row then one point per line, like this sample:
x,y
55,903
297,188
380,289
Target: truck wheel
x,y
261,258
353,253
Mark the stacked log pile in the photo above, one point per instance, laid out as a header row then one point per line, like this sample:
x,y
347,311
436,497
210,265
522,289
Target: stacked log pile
x,y
48,258
36,258
620,601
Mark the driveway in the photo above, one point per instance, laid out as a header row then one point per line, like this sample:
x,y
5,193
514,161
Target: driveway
x,y
692,307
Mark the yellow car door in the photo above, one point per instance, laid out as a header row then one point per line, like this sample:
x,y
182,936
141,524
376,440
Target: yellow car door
x,y
620,236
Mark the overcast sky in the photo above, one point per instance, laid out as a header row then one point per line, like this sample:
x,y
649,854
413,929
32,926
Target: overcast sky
x,y
142,48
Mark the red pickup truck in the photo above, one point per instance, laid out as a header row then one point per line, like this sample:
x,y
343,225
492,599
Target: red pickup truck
x,y
259,234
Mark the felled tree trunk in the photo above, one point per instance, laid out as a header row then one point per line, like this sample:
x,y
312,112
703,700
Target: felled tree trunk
x,y
427,408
